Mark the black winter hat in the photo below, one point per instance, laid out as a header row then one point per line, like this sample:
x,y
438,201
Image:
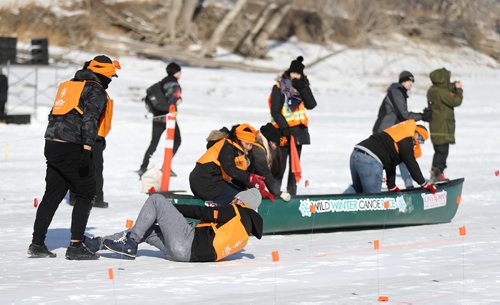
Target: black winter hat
x,y
297,66
173,68
271,133
406,75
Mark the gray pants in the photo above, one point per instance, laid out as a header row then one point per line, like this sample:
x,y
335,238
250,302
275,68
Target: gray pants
x,y
161,225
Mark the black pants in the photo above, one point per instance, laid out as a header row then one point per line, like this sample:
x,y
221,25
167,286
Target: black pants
x,y
291,186
97,156
440,155
158,129
62,174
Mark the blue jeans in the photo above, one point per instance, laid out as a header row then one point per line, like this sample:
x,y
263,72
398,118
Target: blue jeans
x,y
366,173
406,176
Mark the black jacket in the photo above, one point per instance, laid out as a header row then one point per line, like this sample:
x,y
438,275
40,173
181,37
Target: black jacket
x,y
206,180
73,127
300,132
382,145
202,249
394,109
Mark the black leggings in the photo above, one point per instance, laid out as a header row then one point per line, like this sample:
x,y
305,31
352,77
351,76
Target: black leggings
x,y
291,186
62,175
158,129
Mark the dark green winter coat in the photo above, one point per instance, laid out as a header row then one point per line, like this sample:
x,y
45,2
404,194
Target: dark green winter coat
x,y
443,97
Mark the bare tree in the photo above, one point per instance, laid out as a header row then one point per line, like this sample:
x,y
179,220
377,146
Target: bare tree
x,y
185,19
260,47
173,13
214,41
245,46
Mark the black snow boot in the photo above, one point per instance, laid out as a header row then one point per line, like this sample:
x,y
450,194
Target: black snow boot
x,y
78,251
38,251
125,245
94,244
96,203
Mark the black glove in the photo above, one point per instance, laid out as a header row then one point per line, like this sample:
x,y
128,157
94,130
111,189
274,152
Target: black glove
x,y
84,163
285,132
299,84
427,115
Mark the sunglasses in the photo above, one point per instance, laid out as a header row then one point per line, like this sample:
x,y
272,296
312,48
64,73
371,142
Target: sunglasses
x,y
421,139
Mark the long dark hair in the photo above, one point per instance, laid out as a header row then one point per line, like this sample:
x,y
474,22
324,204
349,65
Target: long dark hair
x,y
276,162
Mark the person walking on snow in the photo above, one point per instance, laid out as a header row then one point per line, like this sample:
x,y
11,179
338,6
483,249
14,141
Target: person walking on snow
x,y
223,230
82,110
443,96
385,150
172,91
289,99
394,109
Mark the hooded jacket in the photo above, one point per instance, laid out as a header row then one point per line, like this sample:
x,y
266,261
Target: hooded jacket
x,y
443,97
80,128
394,109
202,249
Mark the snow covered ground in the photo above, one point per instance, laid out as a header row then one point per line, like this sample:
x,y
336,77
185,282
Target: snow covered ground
x,y
416,265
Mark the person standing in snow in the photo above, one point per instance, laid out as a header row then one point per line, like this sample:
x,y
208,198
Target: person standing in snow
x,y
443,96
394,109
289,99
223,230
82,110
172,91
386,150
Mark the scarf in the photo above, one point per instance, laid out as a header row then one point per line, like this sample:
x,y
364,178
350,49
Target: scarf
x,y
292,95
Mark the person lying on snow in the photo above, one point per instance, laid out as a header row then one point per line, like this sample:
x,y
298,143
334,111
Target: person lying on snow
x,y
223,230
385,150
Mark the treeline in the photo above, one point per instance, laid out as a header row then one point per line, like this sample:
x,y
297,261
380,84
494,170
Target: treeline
x,y
246,26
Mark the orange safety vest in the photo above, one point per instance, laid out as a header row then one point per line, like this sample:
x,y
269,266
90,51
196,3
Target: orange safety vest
x,y
212,155
293,118
404,130
229,238
67,98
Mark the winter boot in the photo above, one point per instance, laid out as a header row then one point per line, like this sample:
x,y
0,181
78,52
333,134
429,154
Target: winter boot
x,y
78,251
125,245
99,203
435,175
39,251
94,244
141,171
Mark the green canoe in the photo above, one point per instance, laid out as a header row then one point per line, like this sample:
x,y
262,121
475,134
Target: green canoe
x,y
322,212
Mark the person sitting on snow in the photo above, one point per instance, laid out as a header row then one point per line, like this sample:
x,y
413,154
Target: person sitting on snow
x,y
223,230
385,150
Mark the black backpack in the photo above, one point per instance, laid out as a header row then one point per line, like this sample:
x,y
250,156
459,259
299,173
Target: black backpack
x,y
155,99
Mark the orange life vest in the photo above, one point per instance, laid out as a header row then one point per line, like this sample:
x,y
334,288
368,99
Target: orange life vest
x,y
404,130
293,118
212,155
229,238
67,98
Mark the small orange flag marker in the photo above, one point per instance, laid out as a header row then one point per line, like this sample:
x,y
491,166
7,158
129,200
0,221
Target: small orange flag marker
x,y
129,224
276,256
376,244
110,274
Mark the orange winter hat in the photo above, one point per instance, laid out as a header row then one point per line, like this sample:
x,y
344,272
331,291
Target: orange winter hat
x,y
421,130
104,65
246,133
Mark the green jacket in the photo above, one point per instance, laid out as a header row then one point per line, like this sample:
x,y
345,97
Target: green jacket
x,y
442,98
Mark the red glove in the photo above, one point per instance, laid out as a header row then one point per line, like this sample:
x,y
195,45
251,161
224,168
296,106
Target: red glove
x,y
431,188
257,181
394,189
266,194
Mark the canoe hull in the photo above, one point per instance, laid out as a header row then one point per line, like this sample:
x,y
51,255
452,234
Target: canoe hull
x,y
335,211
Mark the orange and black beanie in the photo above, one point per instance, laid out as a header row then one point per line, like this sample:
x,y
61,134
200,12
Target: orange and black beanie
x,y
103,65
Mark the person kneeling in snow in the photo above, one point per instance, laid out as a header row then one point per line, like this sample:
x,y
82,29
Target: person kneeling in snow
x,y
385,150
223,230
